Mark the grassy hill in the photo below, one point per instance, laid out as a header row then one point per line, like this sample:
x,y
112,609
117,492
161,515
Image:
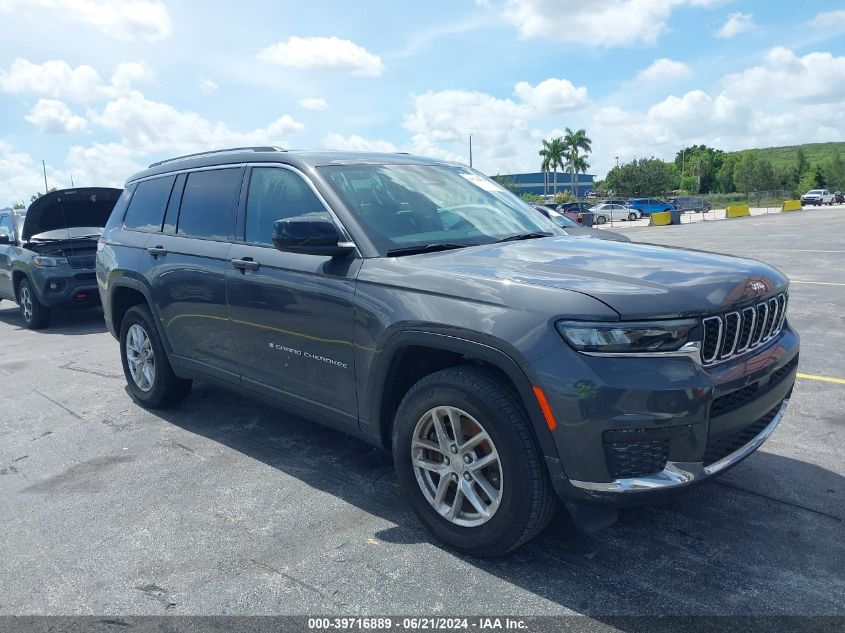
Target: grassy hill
x,y
815,153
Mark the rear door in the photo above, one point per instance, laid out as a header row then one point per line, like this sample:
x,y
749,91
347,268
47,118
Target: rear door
x,y
291,313
188,262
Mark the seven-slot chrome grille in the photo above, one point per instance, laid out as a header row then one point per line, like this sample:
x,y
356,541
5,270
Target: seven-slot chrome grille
x,y
735,332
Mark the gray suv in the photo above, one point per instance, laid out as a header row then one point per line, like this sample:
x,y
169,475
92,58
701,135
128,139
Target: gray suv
x,y
47,253
418,305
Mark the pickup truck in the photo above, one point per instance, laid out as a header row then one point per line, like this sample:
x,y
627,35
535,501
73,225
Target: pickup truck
x,y
818,197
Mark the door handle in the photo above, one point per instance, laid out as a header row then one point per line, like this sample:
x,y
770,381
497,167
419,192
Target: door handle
x,y
247,263
157,251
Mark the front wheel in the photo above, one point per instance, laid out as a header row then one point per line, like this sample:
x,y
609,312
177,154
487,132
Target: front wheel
x,y
468,464
36,315
149,376
632,217
601,219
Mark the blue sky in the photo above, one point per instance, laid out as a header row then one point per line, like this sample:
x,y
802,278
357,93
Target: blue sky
x,y
98,88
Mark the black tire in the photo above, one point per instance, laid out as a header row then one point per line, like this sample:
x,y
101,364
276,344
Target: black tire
x,y
601,220
36,316
527,501
632,216
167,389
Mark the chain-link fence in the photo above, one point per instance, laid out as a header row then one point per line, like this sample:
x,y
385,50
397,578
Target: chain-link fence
x,y
764,201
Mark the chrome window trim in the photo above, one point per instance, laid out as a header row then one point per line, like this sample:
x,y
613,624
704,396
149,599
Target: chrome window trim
x,y
681,473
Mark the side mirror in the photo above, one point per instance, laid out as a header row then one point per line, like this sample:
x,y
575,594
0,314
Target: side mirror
x,y
312,234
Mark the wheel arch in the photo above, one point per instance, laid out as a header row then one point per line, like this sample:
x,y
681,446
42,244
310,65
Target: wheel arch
x,y
125,293
410,355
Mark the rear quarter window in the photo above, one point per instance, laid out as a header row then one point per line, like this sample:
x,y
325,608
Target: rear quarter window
x,y
209,203
147,205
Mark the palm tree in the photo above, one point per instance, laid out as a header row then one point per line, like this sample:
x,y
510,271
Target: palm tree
x,y
579,166
553,153
573,143
544,154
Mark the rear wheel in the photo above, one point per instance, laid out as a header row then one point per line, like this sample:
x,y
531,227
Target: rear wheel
x,y
468,463
35,315
601,219
149,376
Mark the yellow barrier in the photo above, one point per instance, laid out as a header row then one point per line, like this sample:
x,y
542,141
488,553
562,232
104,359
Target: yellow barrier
x,y
791,205
660,219
737,211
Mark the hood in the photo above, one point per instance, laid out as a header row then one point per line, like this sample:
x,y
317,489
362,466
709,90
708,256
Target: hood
x,y
637,280
599,234
69,208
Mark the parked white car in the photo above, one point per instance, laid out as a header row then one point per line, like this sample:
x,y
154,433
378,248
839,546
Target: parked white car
x,y
818,197
608,211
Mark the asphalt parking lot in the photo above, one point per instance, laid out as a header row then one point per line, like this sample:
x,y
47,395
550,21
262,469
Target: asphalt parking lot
x,y
227,506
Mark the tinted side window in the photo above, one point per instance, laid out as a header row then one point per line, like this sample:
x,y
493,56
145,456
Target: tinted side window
x,y
6,223
146,209
209,203
275,194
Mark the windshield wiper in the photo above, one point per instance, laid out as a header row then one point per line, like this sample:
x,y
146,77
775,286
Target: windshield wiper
x,y
525,236
423,248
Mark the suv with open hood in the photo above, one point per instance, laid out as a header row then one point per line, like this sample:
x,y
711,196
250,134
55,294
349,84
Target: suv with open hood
x,y
48,252
422,307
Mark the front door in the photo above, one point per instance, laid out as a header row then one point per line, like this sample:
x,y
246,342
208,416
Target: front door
x,y
291,313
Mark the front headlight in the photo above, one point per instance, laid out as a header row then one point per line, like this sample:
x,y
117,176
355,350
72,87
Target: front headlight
x,y
49,262
621,337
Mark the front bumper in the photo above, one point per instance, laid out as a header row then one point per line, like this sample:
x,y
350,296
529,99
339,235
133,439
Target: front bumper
x,y
65,289
629,428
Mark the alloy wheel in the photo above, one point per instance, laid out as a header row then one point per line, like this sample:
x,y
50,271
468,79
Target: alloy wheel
x,y
457,466
26,303
140,357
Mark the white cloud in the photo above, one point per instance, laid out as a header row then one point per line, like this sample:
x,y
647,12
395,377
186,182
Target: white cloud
x,y
664,69
207,86
146,20
355,143
152,127
552,95
598,23
314,103
57,79
736,24
829,21
21,176
55,117
324,53
813,78
101,165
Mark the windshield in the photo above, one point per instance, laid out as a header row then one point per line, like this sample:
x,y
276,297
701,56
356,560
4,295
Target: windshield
x,y
75,232
406,206
815,191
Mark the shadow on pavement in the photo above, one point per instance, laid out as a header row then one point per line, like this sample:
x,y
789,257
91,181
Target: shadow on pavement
x,y
79,321
717,549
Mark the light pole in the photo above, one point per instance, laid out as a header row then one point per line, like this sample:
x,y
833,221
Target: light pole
x,y
44,168
617,161
470,149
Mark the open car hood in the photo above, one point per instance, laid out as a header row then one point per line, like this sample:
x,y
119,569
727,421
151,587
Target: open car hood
x,y
69,208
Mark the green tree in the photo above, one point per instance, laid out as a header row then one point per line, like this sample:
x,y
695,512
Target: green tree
x,y
764,175
800,162
745,172
574,143
641,177
834,173
19,205
813,178
702,163
553,152
508,183
725,175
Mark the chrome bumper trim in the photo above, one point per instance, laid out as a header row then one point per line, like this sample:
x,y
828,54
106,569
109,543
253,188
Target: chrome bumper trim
x,y
680,473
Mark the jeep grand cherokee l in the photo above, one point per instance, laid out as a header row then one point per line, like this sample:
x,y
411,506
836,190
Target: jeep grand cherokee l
x,y
420,306
47,254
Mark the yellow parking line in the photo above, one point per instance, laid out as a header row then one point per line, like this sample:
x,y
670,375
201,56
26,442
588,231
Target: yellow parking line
x,y
838,381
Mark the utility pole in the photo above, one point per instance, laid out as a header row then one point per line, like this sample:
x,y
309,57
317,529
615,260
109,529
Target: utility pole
x,y
71,181
44,167
470,149
617,162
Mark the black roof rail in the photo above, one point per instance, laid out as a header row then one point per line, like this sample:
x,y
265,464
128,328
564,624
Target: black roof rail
x,y
267,148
